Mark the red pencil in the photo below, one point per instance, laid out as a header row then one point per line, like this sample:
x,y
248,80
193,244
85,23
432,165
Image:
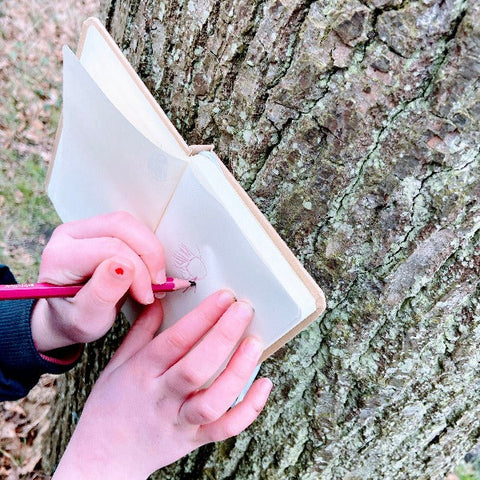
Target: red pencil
x,y
47,290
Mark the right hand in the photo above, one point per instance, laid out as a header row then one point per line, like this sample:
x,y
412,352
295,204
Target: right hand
x,y
112,253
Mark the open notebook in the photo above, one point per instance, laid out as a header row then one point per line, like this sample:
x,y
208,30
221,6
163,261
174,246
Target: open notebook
x,y
117,150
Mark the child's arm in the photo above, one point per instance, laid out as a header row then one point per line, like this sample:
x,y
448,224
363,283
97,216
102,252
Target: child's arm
x,y
112,253
149,407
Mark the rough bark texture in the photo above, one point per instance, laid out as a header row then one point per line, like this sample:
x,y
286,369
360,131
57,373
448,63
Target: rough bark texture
x,y
354,125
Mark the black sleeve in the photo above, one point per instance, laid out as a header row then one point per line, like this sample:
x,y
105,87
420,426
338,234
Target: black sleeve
x,y
20,363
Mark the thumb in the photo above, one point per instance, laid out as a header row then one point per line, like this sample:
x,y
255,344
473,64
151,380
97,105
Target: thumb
x,y
97,301
140,334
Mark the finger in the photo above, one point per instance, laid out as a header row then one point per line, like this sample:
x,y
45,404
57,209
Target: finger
x,y
75,260
199,365
211,403
96,303
127,228
140,334
173,343
239,417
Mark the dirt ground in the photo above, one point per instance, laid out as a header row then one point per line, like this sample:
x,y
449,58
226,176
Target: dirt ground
x,y
32,33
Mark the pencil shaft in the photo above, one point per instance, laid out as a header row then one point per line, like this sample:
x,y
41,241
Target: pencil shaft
x,y
48,290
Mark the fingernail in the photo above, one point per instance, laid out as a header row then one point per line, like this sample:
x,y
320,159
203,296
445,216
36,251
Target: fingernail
x,y
161,277
245,307
267,386
119,268
118,271
226,298
160,295
149,298
252,348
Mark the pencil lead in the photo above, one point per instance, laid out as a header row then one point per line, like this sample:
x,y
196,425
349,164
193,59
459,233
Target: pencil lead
x,y
192,283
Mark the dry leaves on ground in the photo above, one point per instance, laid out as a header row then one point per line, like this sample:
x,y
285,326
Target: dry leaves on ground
x,y
23,424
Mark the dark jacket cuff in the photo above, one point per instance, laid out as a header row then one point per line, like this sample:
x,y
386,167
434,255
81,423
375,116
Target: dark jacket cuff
x,y
20,362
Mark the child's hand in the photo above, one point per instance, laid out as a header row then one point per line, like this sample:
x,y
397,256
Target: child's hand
x,y
148,408
115,253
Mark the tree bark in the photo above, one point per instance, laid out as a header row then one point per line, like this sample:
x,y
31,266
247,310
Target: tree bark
x,y
354,126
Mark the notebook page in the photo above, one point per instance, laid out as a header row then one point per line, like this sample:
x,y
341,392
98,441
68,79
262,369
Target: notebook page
x,y
108,71
204,244
103,163
205,167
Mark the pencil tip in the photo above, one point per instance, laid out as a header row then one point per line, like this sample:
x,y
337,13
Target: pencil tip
x,y
192,283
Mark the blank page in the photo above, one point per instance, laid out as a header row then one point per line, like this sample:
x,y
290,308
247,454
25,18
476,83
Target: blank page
x,y
123,87
212,178
203,243
103,163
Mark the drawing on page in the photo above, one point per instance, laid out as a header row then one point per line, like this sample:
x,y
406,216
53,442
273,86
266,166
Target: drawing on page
x,y
190,264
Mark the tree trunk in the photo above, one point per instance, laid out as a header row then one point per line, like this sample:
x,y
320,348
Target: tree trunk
x,y
354,126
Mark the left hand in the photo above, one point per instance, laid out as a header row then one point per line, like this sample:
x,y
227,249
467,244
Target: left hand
x,y
150,406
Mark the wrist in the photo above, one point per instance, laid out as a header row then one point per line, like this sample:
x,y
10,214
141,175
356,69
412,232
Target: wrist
x,y
86,459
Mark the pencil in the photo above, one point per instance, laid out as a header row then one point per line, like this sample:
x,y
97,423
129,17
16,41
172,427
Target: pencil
x,y
21,291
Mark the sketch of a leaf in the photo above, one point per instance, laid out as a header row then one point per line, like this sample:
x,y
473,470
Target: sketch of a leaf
x,y
190,263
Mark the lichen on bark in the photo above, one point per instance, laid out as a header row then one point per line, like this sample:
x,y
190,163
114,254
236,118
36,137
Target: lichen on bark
x,y
354,126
